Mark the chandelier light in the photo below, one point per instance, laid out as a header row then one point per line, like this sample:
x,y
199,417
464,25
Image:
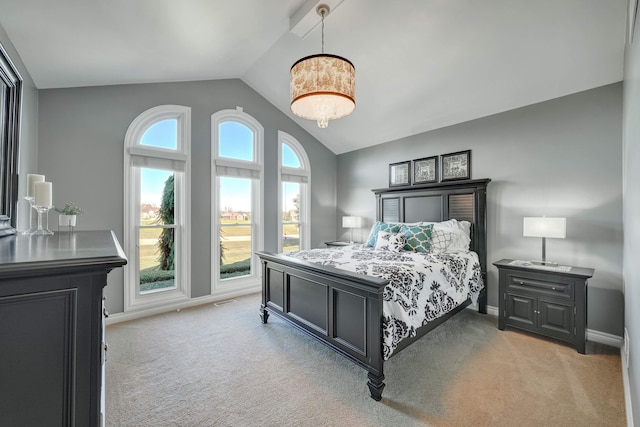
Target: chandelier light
x,y
323,86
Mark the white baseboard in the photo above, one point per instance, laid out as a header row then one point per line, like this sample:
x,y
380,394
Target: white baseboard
x,y
193,302
604,338
628,406
492,310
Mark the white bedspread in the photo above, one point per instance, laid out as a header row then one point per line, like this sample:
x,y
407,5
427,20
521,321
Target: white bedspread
x,y
422,286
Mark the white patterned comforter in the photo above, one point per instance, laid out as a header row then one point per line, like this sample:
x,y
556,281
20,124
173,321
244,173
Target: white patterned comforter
x,y
422,286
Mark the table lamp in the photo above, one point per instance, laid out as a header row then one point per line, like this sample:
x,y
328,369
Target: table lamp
x,y
351,222
544,227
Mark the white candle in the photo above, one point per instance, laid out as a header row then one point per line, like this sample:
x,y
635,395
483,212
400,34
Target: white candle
x,y
31,181
43,194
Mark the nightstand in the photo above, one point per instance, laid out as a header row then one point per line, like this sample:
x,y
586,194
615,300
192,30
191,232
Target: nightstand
x,y
337,244
545,300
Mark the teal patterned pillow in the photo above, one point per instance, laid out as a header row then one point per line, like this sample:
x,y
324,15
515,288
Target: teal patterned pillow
x,y
380,226
417,237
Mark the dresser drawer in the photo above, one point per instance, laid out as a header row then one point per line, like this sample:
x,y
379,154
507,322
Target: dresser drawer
x,y
554,286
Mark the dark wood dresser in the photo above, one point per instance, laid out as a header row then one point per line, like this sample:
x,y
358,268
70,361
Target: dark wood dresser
x,y
544,301
52,327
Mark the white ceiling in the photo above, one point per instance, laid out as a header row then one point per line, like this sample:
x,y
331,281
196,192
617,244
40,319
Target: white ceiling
x,y
420,64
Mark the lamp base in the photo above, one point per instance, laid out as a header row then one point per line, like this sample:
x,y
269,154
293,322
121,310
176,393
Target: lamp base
x,y
547,263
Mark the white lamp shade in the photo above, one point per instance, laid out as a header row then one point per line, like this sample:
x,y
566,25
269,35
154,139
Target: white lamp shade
x,y
545,227
351,222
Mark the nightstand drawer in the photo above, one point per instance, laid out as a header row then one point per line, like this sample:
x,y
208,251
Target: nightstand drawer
x,y
559,287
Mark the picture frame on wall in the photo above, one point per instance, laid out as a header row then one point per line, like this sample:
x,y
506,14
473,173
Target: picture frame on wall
x,y
400,174
425,170
456,166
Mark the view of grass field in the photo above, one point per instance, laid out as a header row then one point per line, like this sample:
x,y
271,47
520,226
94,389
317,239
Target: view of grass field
x,y
151,276
236,243
291,238
236,240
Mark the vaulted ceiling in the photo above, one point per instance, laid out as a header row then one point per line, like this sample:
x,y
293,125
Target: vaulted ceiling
x,y
420,64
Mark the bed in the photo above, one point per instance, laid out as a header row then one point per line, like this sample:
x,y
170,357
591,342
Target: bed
x,y
345,309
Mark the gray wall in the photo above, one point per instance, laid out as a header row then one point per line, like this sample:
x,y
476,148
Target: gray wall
x,y
28,130
81,151
559,158
631,199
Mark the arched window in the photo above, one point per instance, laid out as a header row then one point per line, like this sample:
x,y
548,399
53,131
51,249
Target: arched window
x,y
236,200
157,199
294,219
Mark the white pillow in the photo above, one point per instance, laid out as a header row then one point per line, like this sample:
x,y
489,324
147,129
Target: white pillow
x,y
466,227
455,235
390,241
441,240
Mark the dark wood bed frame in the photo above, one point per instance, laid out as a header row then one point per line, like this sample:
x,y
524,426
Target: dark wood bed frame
x,y
343,309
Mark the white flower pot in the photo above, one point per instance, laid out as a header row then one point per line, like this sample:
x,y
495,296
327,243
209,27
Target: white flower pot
x,y
67,220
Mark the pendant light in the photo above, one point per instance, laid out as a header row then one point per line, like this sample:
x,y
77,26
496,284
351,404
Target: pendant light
x,y
323,86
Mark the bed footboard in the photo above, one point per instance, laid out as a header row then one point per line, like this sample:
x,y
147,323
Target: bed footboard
x,y
341,309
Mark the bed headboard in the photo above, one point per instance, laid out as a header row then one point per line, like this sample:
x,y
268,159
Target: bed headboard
x,y
463,200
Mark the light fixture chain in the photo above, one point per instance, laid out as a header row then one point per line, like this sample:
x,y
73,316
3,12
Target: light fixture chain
x,y
323,12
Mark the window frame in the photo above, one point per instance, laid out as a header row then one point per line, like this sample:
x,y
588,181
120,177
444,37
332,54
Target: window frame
x,y
239,284
175,160
304,173
11,106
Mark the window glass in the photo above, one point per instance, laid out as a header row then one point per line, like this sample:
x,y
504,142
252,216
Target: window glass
x,y
156,233
163,134
236,141
294,218
236,227
289,157
290,216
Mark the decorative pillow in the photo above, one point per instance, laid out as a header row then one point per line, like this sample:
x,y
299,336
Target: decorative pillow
x,y
441,240
390,241
460,234
380,226
418,238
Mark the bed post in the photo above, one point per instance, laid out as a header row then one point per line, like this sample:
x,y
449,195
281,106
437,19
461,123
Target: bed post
x,y
376,385
481,238
264,314
375,366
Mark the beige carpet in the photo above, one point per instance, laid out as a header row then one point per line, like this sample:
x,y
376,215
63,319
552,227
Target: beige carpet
x,y
219,366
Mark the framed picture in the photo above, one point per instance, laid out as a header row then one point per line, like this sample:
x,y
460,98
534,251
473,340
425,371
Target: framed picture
x,y
456,166
425,170
399,174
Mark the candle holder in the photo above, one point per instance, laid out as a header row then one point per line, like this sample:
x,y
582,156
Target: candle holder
x,y
43,221
31,228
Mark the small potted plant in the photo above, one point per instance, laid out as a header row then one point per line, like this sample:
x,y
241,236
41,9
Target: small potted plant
x,y
68,215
